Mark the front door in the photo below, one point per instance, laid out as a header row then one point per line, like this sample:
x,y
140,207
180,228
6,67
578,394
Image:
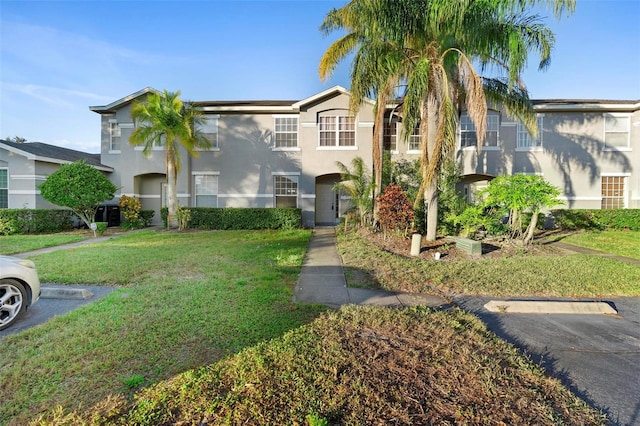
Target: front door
x,y
327,203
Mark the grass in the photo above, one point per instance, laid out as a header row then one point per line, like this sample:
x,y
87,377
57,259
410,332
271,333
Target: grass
x,y
187,300
517,275
203,331
359,365
621,243
12,244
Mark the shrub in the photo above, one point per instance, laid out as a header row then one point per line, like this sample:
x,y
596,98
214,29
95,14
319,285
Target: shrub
x,y
394,210
184,217
131,208
36,221
146,216
597,219
101,227
241,218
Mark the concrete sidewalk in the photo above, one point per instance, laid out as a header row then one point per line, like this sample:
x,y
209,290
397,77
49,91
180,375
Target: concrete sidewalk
x,y
322,280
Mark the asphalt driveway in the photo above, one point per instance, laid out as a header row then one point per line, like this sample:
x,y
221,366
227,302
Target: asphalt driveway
x,y
47,308
596,356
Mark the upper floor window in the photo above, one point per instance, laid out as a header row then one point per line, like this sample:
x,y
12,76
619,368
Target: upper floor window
x,y
4,189
286,190
210,130
525,140
414,139
286,132
468,136
390,135
616,130
114,136
337,131
206,190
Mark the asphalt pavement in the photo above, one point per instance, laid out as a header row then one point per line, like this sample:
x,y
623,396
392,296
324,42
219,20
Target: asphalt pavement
x,y
59,301
596,356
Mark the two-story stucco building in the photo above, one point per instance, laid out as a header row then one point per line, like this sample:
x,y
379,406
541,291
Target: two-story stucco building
x,y
263,154
284,153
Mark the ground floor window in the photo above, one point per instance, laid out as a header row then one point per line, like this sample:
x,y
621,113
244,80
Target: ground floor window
x,y
206,190
612,192
286,191
4,188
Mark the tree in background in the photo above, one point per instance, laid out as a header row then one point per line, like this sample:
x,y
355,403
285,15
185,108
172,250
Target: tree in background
x,y
79,187
163,120
16,139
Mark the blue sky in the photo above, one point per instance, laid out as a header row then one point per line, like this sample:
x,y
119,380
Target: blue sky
x,y
59,57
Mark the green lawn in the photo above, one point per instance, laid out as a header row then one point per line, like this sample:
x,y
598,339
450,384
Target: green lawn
x,y
573,275
622,243
202,330
12,244
187,300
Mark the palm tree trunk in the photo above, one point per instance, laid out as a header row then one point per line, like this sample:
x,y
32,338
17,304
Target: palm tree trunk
x,y
431,190
172,197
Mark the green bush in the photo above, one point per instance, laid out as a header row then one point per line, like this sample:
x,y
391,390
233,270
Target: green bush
x,y
597,219
146,216
241,218
36,221
101,227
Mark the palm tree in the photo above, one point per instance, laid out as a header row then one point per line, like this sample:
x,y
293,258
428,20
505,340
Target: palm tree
x,y
437,43
358,184
374,72
164,120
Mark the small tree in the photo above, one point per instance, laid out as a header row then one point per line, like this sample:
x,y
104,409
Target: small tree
x,y
520,194
131,207
79,187
358,184
394,210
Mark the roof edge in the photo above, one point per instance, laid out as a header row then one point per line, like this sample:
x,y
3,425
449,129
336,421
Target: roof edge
x,y
114,105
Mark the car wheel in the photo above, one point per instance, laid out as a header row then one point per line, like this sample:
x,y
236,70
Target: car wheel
x,y
13,302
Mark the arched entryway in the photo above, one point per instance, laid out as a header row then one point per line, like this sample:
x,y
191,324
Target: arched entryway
x,y
328,203
469,185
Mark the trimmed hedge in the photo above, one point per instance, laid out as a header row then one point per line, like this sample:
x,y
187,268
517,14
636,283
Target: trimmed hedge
x,y
36,221
597,219
241,218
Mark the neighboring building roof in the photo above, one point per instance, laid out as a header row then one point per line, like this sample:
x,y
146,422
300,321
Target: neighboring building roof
x,y
585,104
53,154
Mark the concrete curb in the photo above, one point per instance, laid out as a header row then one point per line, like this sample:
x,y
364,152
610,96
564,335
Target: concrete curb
x,y
549,307
65,293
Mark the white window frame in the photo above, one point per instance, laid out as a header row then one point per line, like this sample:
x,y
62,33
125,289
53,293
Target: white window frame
x,y
115,137
336,131
211,130
216,191
291,176
626,130
524,141
6,188
390,132
413,145
493,120
278,130
623,197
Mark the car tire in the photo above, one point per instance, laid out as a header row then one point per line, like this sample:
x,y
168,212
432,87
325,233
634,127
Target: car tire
x,y
13,302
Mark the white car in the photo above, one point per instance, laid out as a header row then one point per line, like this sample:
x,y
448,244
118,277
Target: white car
x,y
19,288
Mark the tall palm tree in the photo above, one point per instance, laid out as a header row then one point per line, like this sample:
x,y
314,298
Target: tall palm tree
x,y
374,73
165,120
438,41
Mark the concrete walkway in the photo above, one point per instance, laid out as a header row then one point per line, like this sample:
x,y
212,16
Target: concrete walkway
x,y
322,280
